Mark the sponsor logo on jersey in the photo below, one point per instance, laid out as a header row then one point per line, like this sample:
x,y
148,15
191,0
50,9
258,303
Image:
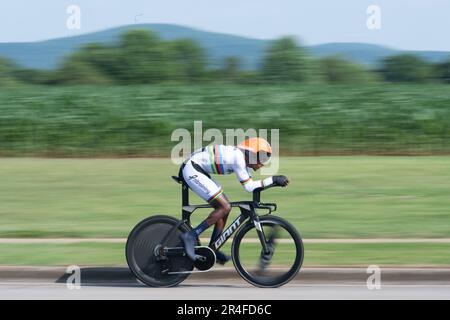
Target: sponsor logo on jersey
x,y
201,185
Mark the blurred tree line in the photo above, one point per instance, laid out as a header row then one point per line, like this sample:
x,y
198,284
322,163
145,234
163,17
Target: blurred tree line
x,y
140,57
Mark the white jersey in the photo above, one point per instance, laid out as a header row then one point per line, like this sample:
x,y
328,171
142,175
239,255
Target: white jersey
x,y
222,159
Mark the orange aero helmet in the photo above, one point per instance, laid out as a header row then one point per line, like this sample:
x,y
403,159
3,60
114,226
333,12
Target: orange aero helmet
x,y
256,145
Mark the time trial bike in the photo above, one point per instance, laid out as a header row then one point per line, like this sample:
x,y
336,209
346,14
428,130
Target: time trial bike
x,y
266,250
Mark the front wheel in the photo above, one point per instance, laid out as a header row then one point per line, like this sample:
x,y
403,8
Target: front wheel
x,y
276,267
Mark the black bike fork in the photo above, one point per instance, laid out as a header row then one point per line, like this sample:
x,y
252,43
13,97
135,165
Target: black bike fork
x,y
260,232
261,235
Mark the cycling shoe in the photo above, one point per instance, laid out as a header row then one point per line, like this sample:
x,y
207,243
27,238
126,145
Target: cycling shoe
x,y
190,241
222,258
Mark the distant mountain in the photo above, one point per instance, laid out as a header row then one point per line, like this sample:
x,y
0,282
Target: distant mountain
x,y
48,54
370,54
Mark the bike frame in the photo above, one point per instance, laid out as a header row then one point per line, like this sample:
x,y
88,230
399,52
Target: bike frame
x,y
247,208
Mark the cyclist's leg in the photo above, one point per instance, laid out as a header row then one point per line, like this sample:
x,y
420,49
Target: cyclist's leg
x,y
218,228
219,216
210,191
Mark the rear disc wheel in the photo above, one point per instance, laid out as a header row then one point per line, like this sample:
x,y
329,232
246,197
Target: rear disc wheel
x,y
141,257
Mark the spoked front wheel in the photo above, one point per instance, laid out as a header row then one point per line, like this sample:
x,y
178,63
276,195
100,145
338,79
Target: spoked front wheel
x,y
279,264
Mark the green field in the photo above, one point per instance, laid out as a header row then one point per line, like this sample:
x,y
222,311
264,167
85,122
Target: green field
x,y
138,120
315,254
329,197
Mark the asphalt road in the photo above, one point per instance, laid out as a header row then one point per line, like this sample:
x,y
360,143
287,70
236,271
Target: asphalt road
x,y
224,284
222,290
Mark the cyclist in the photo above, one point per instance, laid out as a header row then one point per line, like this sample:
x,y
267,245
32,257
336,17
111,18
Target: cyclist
x,y
221,159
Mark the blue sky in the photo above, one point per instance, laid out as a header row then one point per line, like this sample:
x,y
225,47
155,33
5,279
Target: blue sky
x,y
405,24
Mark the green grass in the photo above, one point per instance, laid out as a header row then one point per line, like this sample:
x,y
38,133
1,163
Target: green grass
x,y
378,254
315,254
84,121
329,197
62,254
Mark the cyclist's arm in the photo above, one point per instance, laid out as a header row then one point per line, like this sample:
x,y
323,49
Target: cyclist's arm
x,y
250,184
240,169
